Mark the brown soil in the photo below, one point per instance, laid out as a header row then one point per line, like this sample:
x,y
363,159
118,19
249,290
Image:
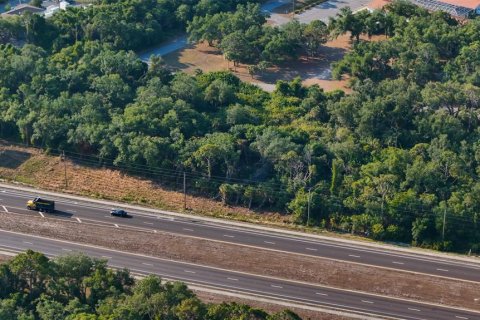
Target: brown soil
x,y
32,167
311,71
258,261
271,308
4,259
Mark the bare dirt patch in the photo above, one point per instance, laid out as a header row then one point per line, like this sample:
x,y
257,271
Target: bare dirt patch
x,y
257,261
4,258
48,173
312,71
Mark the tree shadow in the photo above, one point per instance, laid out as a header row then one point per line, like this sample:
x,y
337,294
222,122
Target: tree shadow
x,y
12,159
306,68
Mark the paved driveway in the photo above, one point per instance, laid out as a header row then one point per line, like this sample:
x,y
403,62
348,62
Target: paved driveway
x,y
330,9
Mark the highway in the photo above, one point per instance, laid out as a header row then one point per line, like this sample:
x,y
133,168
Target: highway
x,y
13,201
252,285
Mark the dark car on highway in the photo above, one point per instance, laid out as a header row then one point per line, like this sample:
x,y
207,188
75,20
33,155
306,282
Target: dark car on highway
x,y
119,213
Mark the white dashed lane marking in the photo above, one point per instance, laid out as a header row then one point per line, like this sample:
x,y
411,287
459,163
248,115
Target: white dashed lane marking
x,y
5,208
275,286
228,236
147,264
188,271
353,256
233,279
312,249
269,242
186,229
396,262
459,317
413,309
41,214
79,221
444,270
366,301
321,294
116,226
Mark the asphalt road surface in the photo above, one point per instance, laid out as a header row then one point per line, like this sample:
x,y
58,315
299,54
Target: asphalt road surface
x,y
14,201
253,285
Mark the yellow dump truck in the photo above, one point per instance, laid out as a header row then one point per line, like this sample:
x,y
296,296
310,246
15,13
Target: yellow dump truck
x,y
41,205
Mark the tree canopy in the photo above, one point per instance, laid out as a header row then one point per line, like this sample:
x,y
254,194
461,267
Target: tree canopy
x,y
75,286
397,159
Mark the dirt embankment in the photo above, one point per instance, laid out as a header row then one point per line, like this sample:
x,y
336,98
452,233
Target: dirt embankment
x,y
34,168
258,261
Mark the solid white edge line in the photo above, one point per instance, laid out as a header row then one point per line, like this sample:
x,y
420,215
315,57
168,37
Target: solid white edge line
x,y
240,272
104,224
413,252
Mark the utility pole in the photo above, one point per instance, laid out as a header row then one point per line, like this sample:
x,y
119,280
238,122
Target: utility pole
x,y
308,207
64,159
444,220
184,191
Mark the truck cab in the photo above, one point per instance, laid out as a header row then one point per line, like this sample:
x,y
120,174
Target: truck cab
x,y
41,205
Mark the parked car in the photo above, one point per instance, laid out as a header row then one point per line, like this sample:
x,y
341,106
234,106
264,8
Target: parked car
x,y
118,213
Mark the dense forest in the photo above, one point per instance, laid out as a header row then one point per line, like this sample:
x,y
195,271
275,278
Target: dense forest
x,y
77,287
398,159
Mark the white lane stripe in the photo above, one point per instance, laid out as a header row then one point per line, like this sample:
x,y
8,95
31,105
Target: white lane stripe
x,y
106,257
65,249
150,223
275,286
188,271
269,242
41,214
396,262
354,256
444,270
147,264
312,249
116,226
5,208
27,242
79,221
228,236
459,317
186,229
233,279
100,206
366,301
321,294
413,309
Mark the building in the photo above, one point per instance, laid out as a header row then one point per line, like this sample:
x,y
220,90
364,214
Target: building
x,y
458,8
52,8
21,9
